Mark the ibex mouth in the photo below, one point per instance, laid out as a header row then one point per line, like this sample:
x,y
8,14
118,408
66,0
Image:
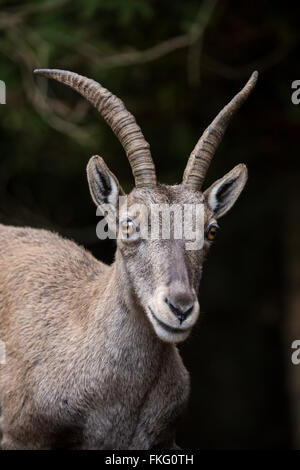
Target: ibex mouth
x,y
168,328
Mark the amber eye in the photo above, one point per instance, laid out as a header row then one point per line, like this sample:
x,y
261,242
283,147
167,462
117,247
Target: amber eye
x,y
127,227
211,232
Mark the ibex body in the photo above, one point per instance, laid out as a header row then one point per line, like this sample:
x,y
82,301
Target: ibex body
x,y
91,357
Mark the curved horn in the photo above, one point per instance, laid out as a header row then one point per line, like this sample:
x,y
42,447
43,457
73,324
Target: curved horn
x,y
202,154
121,121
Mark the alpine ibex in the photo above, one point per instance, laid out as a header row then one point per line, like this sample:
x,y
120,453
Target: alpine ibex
x,y
91,357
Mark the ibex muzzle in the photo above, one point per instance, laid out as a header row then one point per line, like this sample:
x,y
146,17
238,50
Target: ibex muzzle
x,y
90,356
174,308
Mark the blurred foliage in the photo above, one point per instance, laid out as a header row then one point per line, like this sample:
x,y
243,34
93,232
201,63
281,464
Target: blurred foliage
x,y
175,64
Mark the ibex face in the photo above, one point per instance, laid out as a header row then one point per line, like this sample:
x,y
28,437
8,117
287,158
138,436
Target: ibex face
x,y
163,273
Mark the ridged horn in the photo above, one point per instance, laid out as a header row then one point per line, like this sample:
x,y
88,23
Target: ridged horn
x,y
121,121
206,146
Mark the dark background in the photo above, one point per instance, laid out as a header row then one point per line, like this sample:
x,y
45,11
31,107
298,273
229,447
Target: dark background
x,y
176,64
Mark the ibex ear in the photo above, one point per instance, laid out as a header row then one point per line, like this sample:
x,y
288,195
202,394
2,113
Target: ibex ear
x,y
222,194
104,186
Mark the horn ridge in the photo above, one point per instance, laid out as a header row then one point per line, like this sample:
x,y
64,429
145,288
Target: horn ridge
x,y
206,146
118,118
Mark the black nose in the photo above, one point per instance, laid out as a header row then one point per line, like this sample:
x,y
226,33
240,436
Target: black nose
x,y
181,308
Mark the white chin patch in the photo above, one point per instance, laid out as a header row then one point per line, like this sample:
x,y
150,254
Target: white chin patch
x,y
167,333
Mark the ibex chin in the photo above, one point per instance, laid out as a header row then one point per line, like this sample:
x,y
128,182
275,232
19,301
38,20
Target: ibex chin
x,y
91,357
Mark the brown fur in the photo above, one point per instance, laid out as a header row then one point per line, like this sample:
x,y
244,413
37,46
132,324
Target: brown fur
x,y
85,368
91,360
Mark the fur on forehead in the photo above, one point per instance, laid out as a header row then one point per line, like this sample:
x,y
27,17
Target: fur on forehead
x,y
165,194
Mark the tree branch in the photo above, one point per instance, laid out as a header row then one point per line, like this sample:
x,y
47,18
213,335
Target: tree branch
x,y
37,96
162,49
15,16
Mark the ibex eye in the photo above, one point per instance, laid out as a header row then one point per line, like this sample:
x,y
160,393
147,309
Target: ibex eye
x,y
127,227
211,232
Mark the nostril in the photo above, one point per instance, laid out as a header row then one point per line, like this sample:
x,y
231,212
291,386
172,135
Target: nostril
x,y
188,310
181,312
171,304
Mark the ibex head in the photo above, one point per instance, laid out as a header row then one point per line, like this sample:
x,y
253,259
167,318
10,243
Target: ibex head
x,y
161,272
